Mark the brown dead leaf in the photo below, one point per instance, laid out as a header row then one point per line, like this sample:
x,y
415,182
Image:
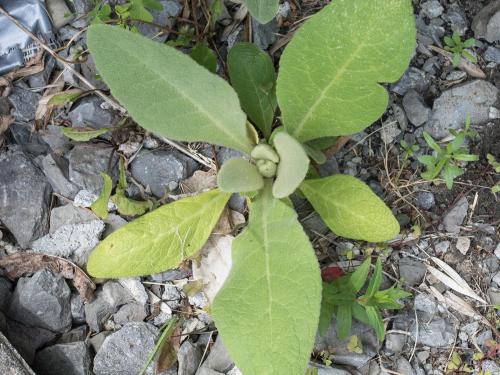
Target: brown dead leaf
x,y
168,352
21,263
228,221
5,122
199,181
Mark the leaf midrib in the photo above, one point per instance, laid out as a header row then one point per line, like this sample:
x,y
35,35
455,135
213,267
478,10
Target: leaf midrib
x,y
198,106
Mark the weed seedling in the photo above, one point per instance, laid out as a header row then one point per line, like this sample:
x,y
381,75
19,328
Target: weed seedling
x,y
267,311
445,161
459,48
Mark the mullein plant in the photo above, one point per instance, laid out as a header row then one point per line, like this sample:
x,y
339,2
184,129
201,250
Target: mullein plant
x,y
268,310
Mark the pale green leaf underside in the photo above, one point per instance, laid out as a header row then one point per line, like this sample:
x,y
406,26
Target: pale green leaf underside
x,y
159,240
167,92
262,10
350,208
238,175
254,79
293,165
328,77
100,206
83,135
268,309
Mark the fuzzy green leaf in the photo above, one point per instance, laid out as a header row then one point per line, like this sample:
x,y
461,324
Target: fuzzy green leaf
x,y
83,134
267,311
329,73
204,56
262,10
159,240
100,206
238,175
350,208
167,92
293,165
254,79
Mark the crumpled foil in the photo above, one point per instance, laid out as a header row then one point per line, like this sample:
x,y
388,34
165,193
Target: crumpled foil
x,y
16,47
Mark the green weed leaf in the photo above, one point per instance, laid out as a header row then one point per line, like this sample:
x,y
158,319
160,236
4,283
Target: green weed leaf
x,y
376,279
254,79
344,320
130,207
376,321
238,175
293,165
100,206
262,10
267,311
350,208
204,56
159,240
83,135
190,103
329,73
358,277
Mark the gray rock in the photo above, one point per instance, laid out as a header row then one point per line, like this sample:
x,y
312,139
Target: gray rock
x,y
435,333
494,295
42,300
341,354
486,23
81,9
59,12
166,17
491,367
492,54
89,71
188,357
395,342
40,80
5,293
411,271
456,18
25,196
27,340
412,79
96,341
417,111
89,113
400,116
87,161
28,139
432,8
160,170
404,367
264,35
432,32
11,363
217,360
442,247
69,214
24,103
77,309
451,109
497,251
130,312
72,241
54,172
390,131
456,75
57,141
455,217
328,370
125,351
79,333
64,359
425,200
426,304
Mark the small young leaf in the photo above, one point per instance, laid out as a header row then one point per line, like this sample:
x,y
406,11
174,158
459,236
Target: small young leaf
x,y
238,175
359,313
376,321
427,160
354,345
130,207
466,157
431,142
450,172
293,165
262,10
456,38
344,320
376,279
100,206
253,77
204,56
350,208
190,103
65,97
83,135
261,297
469,56
330,72
456,59
159,240
358,278
448,41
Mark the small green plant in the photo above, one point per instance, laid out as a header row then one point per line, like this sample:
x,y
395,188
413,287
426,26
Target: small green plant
x,y
268,310
344,298
445,161
132,10
458,48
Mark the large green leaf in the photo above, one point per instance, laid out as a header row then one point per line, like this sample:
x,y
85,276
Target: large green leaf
x,y
268,309
350,208
262,10
254,79
159,240
293,165
167,92
329,73
238,175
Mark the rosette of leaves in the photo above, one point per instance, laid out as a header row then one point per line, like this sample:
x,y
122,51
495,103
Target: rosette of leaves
x,y
268,310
